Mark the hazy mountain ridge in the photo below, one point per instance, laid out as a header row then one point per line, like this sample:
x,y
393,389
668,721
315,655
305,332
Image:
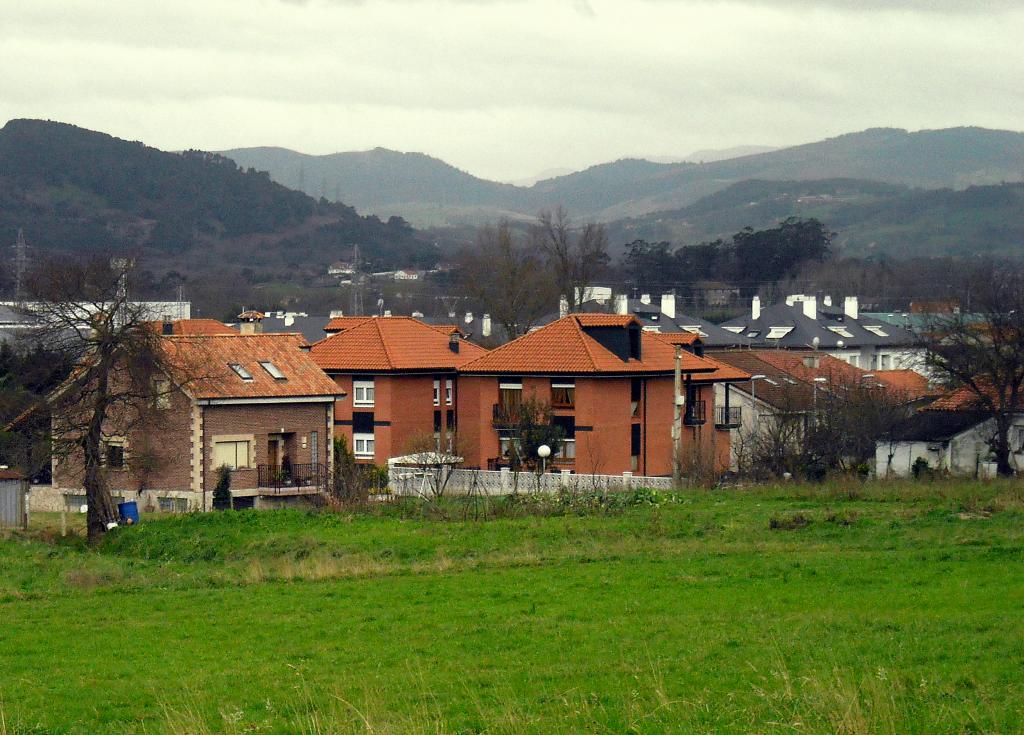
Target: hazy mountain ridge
x,y
426,190
76,190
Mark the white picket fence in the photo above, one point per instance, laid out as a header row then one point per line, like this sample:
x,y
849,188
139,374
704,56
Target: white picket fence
x,y
449,481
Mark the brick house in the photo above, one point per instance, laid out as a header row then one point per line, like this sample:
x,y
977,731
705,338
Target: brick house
x,y
256,403
610,385
402,376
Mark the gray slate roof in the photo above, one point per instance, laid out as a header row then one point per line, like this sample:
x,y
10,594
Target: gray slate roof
x,y
310,327
805,329
936,426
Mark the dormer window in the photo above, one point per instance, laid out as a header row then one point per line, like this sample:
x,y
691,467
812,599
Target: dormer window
x,y
841,331
241,372
272,370
778,332
876,329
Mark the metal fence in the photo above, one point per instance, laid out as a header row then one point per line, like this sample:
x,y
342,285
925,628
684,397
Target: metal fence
x,y
449,481
13,512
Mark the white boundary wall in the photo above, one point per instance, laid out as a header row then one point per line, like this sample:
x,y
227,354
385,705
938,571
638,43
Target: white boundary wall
x,y
449,481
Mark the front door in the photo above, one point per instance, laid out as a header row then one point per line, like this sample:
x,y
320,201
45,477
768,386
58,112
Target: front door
x,y
274,452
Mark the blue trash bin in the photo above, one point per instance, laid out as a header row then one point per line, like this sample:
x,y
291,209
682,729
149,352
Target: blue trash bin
x,y
129,512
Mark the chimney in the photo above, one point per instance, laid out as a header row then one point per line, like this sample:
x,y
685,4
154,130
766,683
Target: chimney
x,y
621,303
167,328
563,307
453,342
755,308
289,320
387,312
668,305
335,313
810,305
469,317
645,298
250,322
851,307
485,327
827,301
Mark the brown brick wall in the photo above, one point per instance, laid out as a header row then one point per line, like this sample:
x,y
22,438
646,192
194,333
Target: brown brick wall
x,y
296,420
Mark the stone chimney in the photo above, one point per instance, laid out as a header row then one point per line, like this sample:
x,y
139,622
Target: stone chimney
x,y
668,305
563,307
621,303
453,342
851,307
250,322
755,308
810,304
485,326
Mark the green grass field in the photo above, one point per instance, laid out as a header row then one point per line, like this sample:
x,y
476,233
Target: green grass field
x,y
829,609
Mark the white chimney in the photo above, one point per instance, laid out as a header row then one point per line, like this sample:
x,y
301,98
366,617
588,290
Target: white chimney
x,y
485,327
621,303
827,301
645,298
668,305
289,320
755,308
469,317
335,313
851,307
792,299
387,312
810,305
563,307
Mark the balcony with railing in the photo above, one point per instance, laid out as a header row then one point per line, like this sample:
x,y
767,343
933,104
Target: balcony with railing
x,y
728,418
293,479
696,413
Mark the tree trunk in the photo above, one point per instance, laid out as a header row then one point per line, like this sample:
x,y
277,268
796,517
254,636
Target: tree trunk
x,y
1002,446
97,497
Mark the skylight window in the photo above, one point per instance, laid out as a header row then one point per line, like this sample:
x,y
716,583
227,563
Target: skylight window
x,y
753,334
734,330
876,329
769,381
241,372
272,369
778,332
841,331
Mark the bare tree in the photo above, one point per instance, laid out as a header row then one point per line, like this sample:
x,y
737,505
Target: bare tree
x,y
576,257
982,350
121,369
508,278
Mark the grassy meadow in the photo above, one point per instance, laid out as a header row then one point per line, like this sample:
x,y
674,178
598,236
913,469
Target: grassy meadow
x,y
850,608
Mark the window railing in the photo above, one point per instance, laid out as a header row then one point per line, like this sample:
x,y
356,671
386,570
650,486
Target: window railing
x,y
728,418
696,413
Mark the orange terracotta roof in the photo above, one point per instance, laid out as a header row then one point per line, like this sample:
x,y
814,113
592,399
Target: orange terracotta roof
x,y
11,475
204,366
679,338
565,347
908,382
961,399
391,343
195,327
341,323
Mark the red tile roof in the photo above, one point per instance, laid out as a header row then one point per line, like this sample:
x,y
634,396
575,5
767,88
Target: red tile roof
x,y
910,383
565,347
341,323
961,399
195,327
392,343
11,475
203,366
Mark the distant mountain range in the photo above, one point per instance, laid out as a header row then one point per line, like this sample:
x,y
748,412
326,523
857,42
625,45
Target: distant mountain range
x,y
427,191
75,190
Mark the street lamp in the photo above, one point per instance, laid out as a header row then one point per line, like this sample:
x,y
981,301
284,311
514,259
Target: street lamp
x,y
753,396
543,451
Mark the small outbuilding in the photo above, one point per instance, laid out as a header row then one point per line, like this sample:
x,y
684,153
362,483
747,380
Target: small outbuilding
x,y
13,508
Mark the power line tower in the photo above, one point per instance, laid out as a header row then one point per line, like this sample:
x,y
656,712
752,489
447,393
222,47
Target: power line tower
x,y
357,284
20,265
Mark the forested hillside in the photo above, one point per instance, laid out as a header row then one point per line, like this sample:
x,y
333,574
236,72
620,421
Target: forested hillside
x,y
74,190
870,218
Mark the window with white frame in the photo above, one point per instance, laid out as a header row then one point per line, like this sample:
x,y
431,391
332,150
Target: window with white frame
x,y
437,392
363,445
362,392
449,393
235,454
241,372
778,332
272,370
876,329
841,331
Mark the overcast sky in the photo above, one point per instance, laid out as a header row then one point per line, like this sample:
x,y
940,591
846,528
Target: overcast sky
x,y
508,88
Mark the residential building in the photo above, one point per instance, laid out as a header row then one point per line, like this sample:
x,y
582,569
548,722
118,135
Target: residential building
x,y
610,385
258,404
952,434
808,322
402,376
407,275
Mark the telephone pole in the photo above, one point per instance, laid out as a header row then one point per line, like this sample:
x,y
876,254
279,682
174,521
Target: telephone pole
x,y
357,284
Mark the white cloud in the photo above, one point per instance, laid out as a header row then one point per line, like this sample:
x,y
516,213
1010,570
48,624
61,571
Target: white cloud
x,y
505,88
